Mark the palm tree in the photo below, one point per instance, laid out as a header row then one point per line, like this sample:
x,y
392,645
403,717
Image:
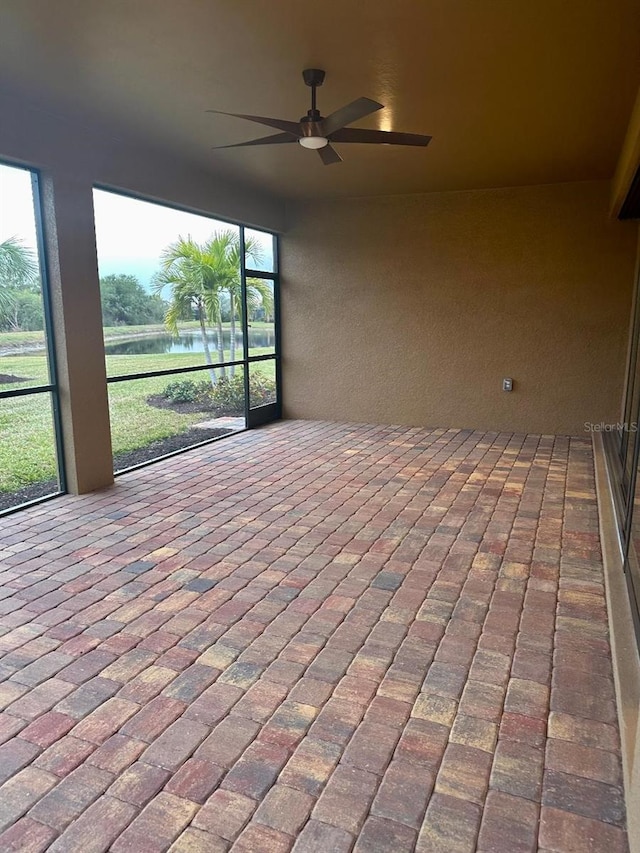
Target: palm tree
x,y
189,270
198,274
18,271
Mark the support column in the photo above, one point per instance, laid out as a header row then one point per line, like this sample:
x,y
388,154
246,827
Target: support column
x,y
69,235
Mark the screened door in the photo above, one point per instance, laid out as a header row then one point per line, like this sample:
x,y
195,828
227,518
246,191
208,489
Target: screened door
x,y
261,322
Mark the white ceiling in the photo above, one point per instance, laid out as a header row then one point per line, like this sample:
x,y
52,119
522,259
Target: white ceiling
x,y
513,91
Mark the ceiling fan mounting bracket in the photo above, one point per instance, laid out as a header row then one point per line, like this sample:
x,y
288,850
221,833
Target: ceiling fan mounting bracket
x,y
313,76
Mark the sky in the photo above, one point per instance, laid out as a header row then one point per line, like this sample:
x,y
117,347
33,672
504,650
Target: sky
x,y
17,218
130,234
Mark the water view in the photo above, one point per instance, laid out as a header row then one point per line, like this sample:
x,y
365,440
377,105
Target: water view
x,y
186,342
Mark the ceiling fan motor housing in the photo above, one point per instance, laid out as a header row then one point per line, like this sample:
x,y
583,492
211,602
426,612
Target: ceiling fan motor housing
x,y
310,124
313,76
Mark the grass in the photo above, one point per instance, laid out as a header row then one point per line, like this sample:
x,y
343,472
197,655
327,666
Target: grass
x,y
27,444
27,453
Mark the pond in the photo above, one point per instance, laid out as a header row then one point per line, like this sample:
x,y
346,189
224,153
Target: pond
x,y
187,342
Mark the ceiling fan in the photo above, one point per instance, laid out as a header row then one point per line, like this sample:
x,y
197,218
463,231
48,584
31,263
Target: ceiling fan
x,y
317,132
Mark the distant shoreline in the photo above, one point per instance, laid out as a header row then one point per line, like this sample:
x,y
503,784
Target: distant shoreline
x,y
25,348
29,343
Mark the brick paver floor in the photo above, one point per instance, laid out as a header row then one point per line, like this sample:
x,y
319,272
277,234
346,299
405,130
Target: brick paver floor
x,y
314,637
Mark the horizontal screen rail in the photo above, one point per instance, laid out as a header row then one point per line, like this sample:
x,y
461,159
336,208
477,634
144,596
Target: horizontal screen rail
x,y
177,370
268,357
269,276
25,392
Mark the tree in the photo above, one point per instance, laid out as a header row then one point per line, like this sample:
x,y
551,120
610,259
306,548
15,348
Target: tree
x,y
126,302
18,275
200,276
196,274
28,312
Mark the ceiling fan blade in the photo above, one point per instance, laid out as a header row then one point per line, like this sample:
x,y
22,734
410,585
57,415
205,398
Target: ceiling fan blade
x,y
385,137
329,155
352,112
280,124
264,140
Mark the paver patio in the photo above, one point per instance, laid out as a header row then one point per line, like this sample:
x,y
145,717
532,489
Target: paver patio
x,y
314,637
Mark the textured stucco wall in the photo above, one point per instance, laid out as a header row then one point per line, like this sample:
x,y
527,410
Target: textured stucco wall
x,y
412,309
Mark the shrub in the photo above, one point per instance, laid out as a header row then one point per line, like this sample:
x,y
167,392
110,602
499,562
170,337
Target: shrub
x,y
182,391
227,394
262,390
226,397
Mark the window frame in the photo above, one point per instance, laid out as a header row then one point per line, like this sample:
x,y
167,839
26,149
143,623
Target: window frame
x,y
263,414
52,387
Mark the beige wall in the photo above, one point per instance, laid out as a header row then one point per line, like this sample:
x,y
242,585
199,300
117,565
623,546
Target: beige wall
x,y
412,309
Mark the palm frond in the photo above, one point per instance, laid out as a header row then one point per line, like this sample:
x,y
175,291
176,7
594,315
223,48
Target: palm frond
x,y
180,308
260,295
18,264
253,251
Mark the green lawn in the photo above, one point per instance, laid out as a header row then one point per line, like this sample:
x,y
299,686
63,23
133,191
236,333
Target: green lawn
x,y
26,434
27,448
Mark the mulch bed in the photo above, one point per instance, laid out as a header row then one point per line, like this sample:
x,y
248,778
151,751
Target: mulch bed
x,y
9,378
166,445
27,493
160,402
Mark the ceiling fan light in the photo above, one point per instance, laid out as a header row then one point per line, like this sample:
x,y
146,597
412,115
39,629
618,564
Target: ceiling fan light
x,y
313,142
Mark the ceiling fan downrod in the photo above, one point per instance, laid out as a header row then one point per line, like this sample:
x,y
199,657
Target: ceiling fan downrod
x,y
313,77
313,136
